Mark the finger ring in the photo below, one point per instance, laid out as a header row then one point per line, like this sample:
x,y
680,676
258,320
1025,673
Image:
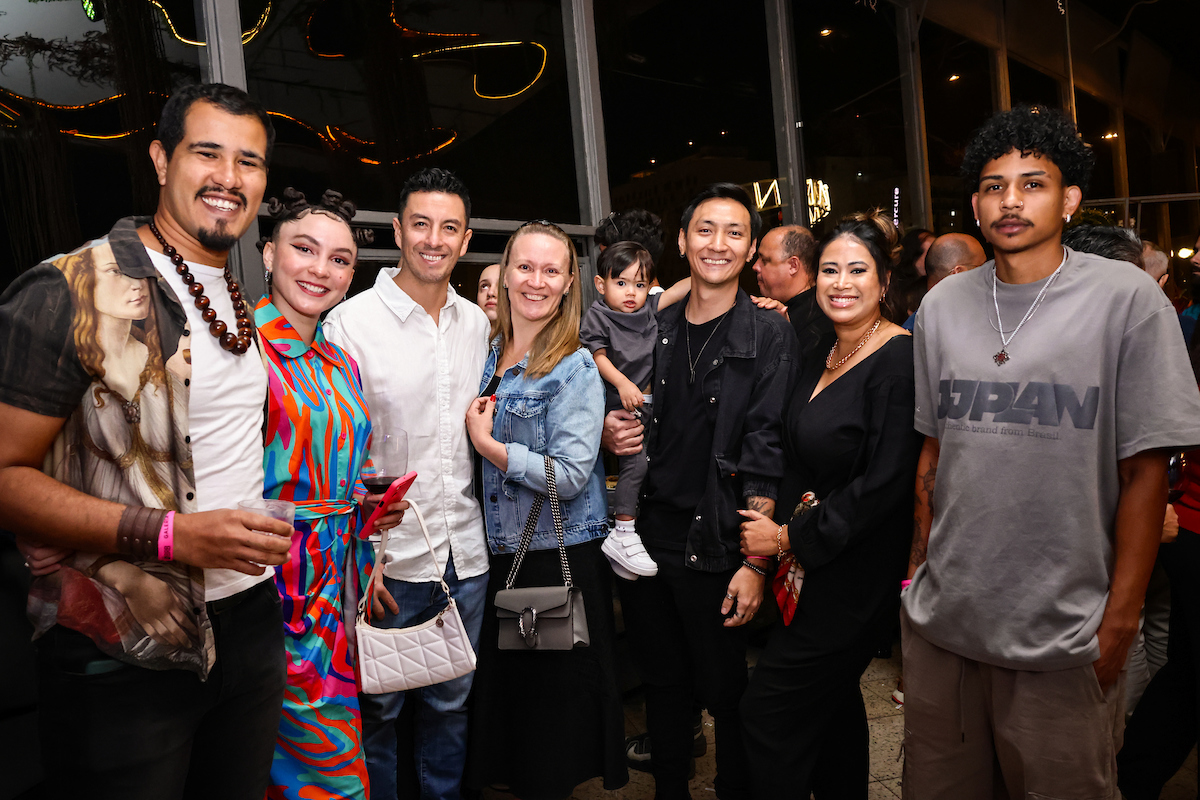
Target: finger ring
x,y
738,614
27,567
728,596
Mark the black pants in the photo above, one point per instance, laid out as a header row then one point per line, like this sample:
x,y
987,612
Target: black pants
x,y
1163,728
683,651
113,730
805,723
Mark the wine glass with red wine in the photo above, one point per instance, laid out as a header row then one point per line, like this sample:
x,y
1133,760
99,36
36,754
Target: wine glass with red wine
x,y
388,459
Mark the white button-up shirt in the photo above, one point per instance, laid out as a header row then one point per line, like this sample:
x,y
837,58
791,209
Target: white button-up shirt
x,y
422,377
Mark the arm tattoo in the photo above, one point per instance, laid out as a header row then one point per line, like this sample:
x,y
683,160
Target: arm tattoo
x,y
927,482
920,546
762,505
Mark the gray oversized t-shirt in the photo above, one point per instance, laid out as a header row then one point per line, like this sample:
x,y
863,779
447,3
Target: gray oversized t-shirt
x,y
1021,550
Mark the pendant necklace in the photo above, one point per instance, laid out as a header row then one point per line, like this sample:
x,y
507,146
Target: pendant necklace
x,y
687,335
1002,357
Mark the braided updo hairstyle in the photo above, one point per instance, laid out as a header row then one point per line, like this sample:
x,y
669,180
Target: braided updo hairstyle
x,y
874,231
295,206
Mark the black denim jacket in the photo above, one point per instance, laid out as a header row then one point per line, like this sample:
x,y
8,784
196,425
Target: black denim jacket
x,y
749,379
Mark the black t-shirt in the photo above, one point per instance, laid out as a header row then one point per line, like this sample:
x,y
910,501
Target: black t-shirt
x,y
809,322
678,471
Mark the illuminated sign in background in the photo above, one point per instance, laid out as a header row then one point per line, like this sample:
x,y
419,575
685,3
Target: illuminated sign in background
x,y
767,197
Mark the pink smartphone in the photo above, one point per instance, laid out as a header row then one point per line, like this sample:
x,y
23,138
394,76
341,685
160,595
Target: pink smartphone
x,y
394,494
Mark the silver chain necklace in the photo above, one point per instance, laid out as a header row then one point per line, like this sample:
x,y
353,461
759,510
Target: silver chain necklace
x,y
687,335
1002,357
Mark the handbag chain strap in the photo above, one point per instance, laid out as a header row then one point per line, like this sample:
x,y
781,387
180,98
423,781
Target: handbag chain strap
x,y
535,511
364,604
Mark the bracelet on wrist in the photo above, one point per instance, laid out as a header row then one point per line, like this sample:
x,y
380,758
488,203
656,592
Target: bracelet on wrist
x,y
139,531
166,538
779,541
746,563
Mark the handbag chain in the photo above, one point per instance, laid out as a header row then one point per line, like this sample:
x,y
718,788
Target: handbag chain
x,y
535,511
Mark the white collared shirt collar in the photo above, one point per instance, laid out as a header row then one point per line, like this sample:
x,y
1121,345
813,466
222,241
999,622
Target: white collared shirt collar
x,y
398,300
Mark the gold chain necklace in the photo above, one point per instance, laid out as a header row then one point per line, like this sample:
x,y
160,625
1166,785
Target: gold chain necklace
x,y
829,365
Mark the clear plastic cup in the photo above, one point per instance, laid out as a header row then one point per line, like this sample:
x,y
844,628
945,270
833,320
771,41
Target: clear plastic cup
x,y
282,510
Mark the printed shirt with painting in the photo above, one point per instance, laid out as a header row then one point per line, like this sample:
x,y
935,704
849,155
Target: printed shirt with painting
x,y
316,442
1021,550
97,337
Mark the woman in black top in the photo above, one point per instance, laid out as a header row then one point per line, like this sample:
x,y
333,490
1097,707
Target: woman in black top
x,y
849,440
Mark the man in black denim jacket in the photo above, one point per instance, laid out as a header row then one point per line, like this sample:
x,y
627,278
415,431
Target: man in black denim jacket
x,y
722,370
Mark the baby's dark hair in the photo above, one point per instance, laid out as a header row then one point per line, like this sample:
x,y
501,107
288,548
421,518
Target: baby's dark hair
x,y
1031,130
620,256
294,206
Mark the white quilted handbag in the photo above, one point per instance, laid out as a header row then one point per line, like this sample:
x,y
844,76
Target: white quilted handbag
x,y
397,659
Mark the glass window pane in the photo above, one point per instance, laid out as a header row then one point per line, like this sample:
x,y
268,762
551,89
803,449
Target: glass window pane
x,y
677,115
1030,86
79,100
956,79
853,126
1096,126
365,94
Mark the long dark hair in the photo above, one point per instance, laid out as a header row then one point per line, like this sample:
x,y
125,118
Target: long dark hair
x,y
874,231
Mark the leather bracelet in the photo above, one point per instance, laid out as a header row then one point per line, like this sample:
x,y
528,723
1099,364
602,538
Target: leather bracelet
x,y
779,541
138,532
746,563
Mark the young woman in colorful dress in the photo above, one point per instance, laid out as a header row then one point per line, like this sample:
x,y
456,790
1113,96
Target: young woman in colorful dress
x,y
317,430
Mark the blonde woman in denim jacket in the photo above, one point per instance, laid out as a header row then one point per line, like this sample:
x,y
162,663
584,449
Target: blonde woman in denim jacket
x,y
543,722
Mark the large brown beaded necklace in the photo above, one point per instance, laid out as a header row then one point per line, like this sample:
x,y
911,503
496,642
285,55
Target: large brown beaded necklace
x,y
237,344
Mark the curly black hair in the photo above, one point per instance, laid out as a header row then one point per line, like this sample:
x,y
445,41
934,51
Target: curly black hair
x,y
294,205
633,225
1036,130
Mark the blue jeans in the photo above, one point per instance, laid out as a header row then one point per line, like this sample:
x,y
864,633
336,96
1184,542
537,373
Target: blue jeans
x,y
441,725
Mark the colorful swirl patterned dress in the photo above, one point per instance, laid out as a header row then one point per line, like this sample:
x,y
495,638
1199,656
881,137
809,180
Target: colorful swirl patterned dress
x,y
316,440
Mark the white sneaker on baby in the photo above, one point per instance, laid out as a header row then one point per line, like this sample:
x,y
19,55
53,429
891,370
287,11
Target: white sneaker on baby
x,y
628,556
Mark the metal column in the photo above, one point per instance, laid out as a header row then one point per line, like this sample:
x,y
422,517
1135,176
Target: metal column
x,y
587,122
222,62
789,127
907,26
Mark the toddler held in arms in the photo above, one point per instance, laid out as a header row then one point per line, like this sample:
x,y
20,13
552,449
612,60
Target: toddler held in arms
x,y
620,329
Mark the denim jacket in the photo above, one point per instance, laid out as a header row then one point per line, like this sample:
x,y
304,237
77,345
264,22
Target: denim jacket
x,y
749,381
560,414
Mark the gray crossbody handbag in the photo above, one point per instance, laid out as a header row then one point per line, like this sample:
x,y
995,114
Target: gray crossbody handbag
x,y
542,617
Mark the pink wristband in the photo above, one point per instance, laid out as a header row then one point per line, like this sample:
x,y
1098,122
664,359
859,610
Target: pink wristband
x,y
904,584
166,538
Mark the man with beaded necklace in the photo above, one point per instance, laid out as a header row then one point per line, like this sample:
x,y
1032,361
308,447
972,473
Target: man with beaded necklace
x,y
131,396
1050,385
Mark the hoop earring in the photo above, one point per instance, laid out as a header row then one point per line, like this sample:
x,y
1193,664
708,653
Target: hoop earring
x,y
1068,219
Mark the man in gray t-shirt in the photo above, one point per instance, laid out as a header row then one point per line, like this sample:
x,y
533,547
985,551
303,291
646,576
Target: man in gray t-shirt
x,y
1049,385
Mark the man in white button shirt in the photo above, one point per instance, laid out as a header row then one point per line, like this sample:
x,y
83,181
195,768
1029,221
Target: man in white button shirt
x,y
421,347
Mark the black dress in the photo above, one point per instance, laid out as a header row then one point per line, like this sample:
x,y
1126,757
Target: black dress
x,y
542,723
853,445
